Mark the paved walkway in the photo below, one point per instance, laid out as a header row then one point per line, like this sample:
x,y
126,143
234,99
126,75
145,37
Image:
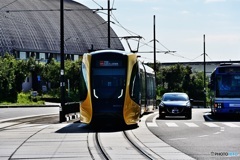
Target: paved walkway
x,y
67,141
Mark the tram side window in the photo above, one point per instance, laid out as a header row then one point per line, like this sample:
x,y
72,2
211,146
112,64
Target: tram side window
x,y
134,84
150,87
143,85
83,83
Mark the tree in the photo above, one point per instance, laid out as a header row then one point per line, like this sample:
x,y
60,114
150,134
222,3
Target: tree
x,y
196,86
179,78
21,72
51,74
174,77
73,74
12,75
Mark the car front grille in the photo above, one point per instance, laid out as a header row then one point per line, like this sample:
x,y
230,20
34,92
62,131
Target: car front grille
x,y
174,109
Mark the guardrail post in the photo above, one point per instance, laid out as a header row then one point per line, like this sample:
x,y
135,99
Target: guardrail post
x,y
62,114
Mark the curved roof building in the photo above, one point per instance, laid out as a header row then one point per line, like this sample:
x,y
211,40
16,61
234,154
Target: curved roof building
x,y
34,26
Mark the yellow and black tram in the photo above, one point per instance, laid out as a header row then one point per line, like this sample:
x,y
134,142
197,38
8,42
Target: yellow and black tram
x,y
117,86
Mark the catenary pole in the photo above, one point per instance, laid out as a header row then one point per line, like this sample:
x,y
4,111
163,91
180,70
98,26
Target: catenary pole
x,y
109,38
62,81
154,52
154,44
204,70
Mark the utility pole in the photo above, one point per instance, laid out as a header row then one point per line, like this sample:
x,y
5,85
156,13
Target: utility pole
x,y
154,57
204,71
154,45
62,81
109,27
108,21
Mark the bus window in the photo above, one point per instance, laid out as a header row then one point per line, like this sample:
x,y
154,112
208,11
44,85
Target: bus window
x,y
228,86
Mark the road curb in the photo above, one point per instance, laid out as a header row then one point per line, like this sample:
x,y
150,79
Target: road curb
x,y
155,144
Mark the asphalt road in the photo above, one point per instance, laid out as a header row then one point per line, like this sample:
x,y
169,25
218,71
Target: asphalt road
x,y
11,113
202,137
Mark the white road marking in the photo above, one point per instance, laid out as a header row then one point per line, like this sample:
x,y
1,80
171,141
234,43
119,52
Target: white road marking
x,y
211,125
222,129
171,124
231,125
203,136
191,125
150,124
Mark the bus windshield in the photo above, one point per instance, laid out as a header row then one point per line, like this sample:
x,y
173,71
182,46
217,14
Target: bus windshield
x,y
228,85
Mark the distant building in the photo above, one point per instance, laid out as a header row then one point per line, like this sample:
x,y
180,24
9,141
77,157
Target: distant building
x,y
198,66
31,28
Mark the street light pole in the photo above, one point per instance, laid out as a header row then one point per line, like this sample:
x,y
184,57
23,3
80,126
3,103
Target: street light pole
x,y
62,81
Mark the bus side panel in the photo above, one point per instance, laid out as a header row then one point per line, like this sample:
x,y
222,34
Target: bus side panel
x,y
226,106
86,105
131,110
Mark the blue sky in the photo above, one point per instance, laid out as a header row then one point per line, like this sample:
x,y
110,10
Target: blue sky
x,y
180,26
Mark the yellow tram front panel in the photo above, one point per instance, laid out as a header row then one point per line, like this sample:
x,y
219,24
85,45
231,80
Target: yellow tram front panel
x,y
86,105
131,110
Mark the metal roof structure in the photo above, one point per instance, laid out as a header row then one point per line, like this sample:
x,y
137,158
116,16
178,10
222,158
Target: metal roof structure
x,y
34,25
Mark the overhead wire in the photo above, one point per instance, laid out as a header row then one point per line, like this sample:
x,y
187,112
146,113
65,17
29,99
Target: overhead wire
x,y
209,57
97,4
133,33
144,43
196,58
120,25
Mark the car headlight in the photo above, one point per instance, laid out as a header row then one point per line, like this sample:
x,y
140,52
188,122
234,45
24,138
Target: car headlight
x,y
161,104
188,104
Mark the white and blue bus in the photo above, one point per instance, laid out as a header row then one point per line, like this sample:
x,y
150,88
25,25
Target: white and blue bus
x,y
225,84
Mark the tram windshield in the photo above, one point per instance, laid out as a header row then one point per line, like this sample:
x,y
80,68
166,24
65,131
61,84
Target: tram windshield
x,y
108,83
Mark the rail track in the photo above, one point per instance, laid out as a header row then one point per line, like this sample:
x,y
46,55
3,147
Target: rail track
x,y
110,143
118,145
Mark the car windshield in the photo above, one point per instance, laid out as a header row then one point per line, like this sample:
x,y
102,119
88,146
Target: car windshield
x,y
175,97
